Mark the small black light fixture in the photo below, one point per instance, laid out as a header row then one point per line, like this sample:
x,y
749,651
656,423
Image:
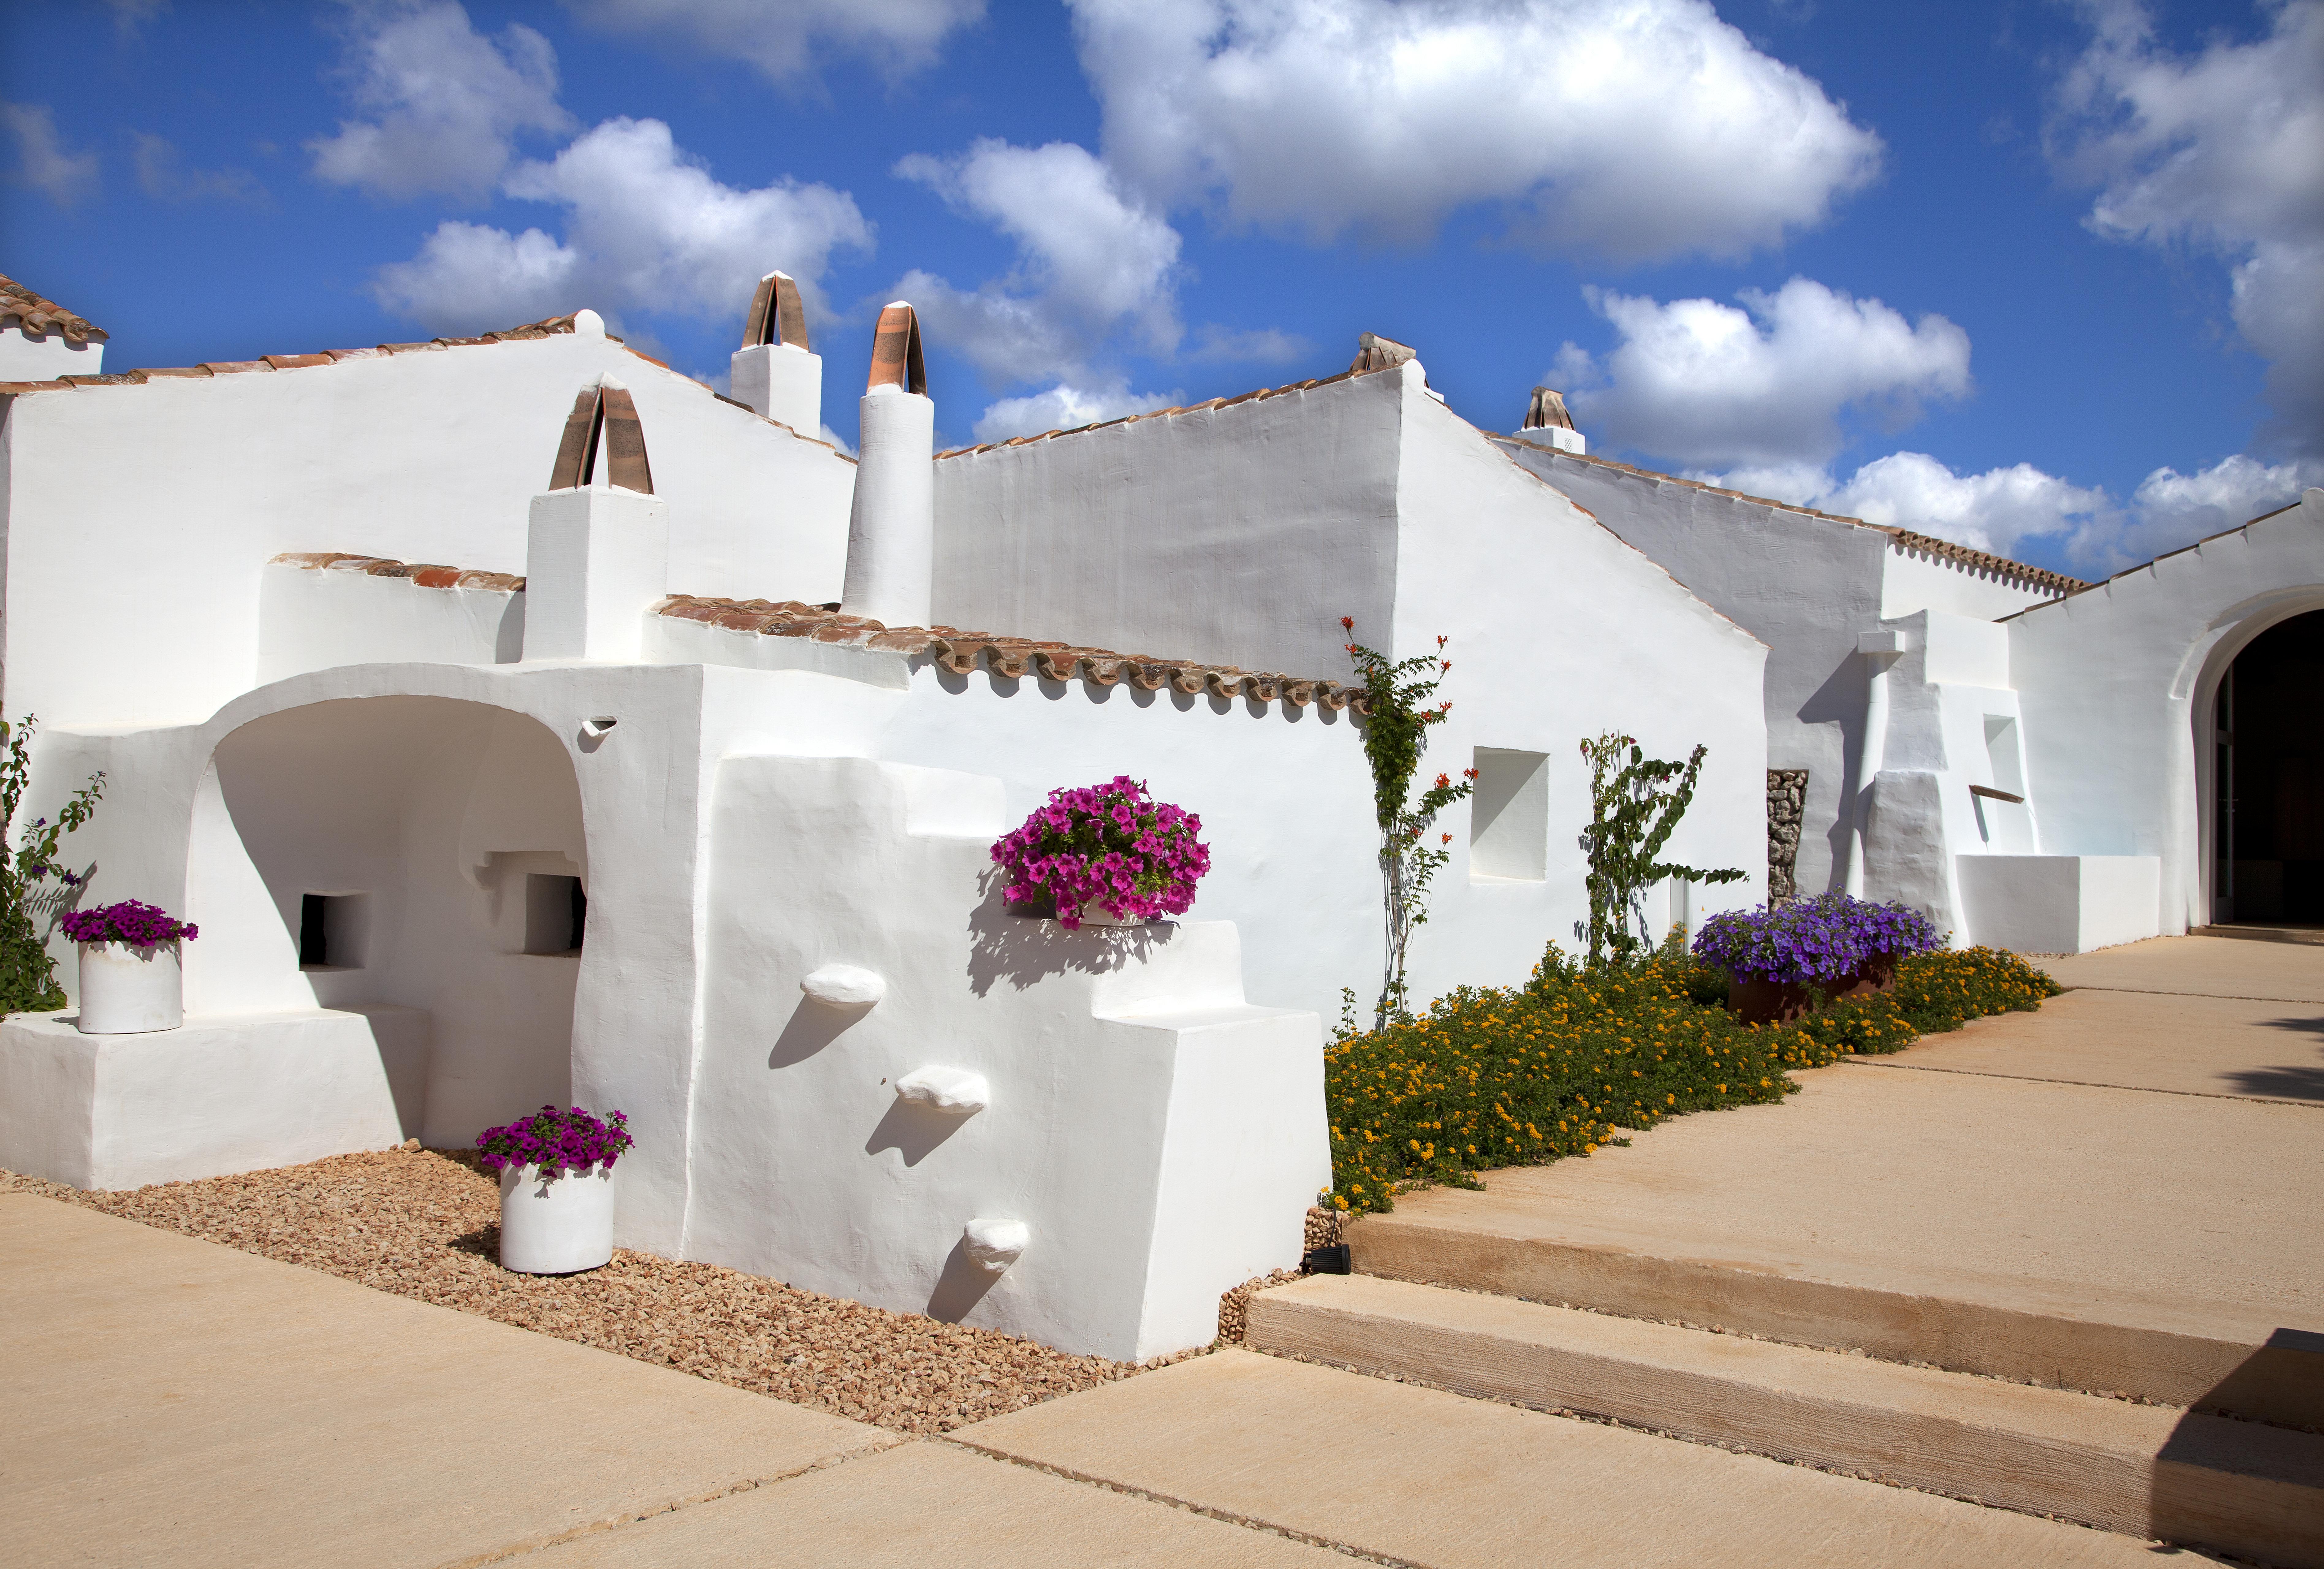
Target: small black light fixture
x,y
1331,1261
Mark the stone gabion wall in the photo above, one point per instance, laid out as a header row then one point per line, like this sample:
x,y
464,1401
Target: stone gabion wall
x,y
1787,804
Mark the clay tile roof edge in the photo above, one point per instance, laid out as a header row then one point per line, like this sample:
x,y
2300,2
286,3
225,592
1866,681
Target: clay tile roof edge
x,y
962,651
42,315
421,575
1902,539
2167,555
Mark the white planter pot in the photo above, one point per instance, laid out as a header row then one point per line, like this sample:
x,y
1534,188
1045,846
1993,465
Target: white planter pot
x,y
1095,914
559,1226
131,991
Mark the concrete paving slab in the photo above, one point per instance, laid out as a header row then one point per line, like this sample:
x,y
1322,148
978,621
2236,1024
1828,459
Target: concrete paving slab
x,y
1434,1479
2185,1045
930,1503
2199,966
2144,1470
171,1401
2208,1212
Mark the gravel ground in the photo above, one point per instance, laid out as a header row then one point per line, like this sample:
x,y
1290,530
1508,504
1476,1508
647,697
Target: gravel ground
x,y
425,1224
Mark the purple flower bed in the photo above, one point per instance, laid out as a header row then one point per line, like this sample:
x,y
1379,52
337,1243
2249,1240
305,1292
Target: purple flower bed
x,y
139,925
1137,857
556,1141
1810,941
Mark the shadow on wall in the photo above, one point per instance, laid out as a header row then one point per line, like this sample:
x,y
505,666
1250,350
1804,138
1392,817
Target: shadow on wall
x,y
1839,703
912,1129
813,1026
2247,1485
961,1287
1022,949
2288,1082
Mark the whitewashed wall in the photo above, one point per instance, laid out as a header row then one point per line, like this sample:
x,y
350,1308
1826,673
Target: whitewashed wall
x,y
2115,683
1806,587
40,356
1238,534
172,495
1560,631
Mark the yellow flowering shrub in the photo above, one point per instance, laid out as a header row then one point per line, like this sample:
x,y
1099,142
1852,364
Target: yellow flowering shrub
x,y
1489,1078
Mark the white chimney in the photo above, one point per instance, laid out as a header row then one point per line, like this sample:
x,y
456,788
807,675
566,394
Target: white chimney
x,y
891,530
597,551
774,372
1548,423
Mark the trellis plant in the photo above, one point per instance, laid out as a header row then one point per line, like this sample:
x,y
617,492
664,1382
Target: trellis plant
x,y
1398,714
1635,802
28,977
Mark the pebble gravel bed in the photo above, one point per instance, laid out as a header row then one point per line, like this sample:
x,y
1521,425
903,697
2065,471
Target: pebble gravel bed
x,y
425,1224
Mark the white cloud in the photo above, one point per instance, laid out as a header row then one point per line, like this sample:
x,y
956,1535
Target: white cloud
x,y
2006,510
163,174
647,230
1710,384
782,40
1065,407
1091,264
42,160
1626,128
2224,149
448,103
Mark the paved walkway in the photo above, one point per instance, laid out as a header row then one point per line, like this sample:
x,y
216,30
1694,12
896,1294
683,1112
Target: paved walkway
x,y
173,1402
2159,1152
2153,1137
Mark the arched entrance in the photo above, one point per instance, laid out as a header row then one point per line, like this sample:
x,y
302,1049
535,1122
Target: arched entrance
x,y
421,852
2268,772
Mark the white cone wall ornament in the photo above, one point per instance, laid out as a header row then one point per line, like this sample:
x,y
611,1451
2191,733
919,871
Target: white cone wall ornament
x,y
954,1090
992,1245
845,986
891,528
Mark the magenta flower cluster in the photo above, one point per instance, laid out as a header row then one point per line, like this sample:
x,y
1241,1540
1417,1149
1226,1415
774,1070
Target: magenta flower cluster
x,y
1111,844
1804,941
556,1141
139,925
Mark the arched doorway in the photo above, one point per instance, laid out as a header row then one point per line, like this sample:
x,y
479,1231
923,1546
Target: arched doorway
x,y
424,852
2268,772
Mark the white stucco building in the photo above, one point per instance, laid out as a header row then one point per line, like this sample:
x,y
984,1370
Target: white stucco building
x,y
523,720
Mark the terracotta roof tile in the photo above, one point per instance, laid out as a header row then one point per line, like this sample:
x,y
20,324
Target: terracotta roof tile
x,y
423,575
43,316
1902,539
961,653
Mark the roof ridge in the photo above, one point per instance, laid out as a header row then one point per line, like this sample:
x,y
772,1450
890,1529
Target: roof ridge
x,y
2155,560
550,327
40,314
1211,404
1963,555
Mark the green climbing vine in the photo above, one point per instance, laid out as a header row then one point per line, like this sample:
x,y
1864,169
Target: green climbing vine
x,y
28,976
1397,714
1634,806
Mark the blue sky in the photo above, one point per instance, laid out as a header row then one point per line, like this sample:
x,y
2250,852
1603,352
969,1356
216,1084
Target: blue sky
x,y
2045,278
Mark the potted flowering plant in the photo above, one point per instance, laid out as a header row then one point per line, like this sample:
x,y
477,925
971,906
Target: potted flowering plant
x,y
1110,855
1778,958
131,973
556,1189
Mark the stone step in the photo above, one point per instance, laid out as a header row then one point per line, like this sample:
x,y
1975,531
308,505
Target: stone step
x,y
2203,1356
2149,1471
